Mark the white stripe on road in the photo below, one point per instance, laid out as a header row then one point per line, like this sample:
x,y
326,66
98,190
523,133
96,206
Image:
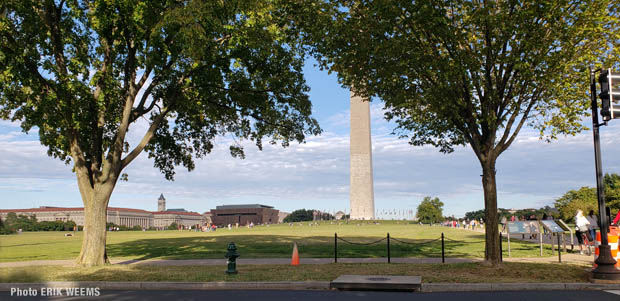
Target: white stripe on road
x,y
617,292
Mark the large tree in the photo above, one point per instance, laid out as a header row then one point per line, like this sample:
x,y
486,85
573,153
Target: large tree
x,y
82,73
430,210
585,198
467,72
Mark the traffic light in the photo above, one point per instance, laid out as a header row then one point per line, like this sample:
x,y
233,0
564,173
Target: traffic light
x,y
610,94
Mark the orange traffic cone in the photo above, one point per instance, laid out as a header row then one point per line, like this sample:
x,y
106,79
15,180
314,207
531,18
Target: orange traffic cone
x,y
295,259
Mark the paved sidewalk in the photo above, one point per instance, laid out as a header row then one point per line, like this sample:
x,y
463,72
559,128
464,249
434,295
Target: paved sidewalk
x,y
570,258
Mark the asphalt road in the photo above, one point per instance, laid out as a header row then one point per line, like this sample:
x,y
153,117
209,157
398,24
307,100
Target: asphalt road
x,y
275,295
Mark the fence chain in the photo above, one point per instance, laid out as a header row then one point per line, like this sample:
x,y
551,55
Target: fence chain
x,y
360,243
416,243
464,242
408,243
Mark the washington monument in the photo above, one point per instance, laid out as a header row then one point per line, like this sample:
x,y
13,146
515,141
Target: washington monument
x,y
361,191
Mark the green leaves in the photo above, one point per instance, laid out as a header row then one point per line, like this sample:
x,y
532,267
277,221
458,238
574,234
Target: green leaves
x,y
585,198
456,72
430,210
84,72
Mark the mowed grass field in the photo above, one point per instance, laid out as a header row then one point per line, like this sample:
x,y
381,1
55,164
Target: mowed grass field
x,y
275,241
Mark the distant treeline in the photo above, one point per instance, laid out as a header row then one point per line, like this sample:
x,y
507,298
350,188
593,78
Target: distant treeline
x,y
306,215
566,206
13,222
520,214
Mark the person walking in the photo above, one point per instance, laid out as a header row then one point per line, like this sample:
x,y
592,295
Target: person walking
x,y
593,220
581,227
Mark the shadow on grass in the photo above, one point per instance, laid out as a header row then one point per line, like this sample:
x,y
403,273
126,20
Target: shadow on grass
x,y
281,246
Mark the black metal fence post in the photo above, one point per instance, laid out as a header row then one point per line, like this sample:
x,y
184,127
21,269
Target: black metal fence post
x,y
443,252
501,257
388,247
335,247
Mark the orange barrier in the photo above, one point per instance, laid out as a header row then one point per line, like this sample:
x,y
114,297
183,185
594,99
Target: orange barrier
x,y
295,259
612,240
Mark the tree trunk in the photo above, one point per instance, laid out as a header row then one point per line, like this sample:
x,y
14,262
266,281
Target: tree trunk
x,y
491,249
93,251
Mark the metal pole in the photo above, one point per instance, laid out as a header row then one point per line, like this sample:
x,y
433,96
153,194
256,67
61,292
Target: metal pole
x,y
443,254
501,256
335,247
605,268
551,239
600,190
388,247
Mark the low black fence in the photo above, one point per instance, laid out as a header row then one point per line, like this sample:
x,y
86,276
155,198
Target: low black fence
x,y
389,239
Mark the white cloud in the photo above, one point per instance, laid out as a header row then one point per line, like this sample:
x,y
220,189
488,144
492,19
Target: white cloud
x,y
531,173
8,123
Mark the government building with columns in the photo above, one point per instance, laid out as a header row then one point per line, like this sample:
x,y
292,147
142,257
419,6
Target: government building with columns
x,y
128,217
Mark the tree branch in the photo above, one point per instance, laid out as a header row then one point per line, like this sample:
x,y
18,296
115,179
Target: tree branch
x,y
139,110
145,139
51,16
145,76
99,122
513,116
502,147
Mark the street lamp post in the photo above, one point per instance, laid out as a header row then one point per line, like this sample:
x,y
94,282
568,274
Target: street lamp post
x,y
605,269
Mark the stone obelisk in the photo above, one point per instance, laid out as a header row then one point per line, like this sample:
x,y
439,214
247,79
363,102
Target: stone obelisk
x,y
361,193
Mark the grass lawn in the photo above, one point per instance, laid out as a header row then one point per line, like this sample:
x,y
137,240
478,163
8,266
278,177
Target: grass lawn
x,y
263,242
453,273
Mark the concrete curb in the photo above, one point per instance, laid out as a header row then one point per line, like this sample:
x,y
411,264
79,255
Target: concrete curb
x,y
468,287
308,285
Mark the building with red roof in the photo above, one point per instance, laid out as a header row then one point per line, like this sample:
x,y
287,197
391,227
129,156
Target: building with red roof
x,y
128,217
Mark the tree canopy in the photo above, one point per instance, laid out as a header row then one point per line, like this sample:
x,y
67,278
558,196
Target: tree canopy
x,y
518,213
81,73
305,215
585,198
430,210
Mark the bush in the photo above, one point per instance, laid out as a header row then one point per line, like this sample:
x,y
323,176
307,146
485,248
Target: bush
x,y
4,229
30,223
173,226
306,215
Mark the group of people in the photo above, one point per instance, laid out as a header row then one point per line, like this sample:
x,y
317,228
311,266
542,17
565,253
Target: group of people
x,y
466,224
585,225
588,225
213,227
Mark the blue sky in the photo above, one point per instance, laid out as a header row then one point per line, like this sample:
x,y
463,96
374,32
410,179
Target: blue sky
x,y
531,173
